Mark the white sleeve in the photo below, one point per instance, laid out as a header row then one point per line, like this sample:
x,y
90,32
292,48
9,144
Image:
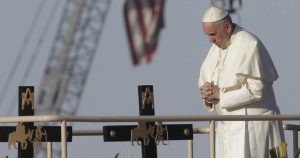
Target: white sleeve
x,y
250,91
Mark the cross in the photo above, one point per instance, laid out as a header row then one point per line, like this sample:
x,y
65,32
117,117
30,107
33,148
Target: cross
x,y
148,133
28,135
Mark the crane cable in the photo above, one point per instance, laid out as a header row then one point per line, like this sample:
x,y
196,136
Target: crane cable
x,y
21,51
36,51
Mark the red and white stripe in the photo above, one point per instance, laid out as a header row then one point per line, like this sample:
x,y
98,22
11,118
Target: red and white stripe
x,y
143,20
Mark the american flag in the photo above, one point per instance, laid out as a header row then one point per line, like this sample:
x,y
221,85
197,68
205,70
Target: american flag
x,y
143,20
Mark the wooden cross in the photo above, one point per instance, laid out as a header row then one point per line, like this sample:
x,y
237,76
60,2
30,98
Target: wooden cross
x,y
149,133
28,135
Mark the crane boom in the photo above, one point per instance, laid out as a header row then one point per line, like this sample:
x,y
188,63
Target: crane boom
x,y
70,59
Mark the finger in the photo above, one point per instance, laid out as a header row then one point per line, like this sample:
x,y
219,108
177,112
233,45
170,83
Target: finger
x,y
207,84
210,98
206,95
206,88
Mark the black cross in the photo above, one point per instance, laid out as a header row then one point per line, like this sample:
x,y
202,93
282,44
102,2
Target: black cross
x,y
167,132
26,108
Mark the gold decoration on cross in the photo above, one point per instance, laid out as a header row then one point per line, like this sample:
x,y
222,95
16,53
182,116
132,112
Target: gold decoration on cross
x,y
160,130
143,132
27,97
38,136
147,98
20,136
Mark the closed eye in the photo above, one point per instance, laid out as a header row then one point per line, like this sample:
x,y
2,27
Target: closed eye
x,y
212,34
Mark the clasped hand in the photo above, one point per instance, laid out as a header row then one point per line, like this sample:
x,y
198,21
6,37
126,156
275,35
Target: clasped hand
x,y
210,92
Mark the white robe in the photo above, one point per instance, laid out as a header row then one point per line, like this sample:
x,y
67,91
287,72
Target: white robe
x,y
245,73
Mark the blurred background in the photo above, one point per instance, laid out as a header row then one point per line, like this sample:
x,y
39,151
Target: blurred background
x,y
83,60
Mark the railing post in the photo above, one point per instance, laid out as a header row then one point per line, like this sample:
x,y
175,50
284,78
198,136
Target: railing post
x,y
190,148
63,140
49,149
212,138
295,140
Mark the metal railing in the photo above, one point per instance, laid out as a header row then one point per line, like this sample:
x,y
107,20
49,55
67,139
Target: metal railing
x,y
295,129
172,118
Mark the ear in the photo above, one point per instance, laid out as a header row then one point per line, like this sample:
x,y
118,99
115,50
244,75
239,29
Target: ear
x,y
228,27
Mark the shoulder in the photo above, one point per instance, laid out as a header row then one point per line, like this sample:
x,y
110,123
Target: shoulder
x,y
240,34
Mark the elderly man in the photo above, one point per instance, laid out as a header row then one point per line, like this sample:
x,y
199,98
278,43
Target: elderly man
x,y
236,78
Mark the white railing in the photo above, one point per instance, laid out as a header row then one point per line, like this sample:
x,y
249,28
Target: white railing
x,y
172,118
295,129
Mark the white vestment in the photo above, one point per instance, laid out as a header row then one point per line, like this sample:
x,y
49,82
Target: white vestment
x,y
245,73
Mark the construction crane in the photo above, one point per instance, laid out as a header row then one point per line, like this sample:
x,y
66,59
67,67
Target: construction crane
x,y
71,57
230,5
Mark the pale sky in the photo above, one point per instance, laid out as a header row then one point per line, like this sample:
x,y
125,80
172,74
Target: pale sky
x,y
112,84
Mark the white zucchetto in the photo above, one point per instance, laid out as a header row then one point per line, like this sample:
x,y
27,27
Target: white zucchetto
x,y
214,14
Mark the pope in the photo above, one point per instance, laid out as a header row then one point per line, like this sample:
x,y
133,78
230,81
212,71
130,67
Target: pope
x,y
236,78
